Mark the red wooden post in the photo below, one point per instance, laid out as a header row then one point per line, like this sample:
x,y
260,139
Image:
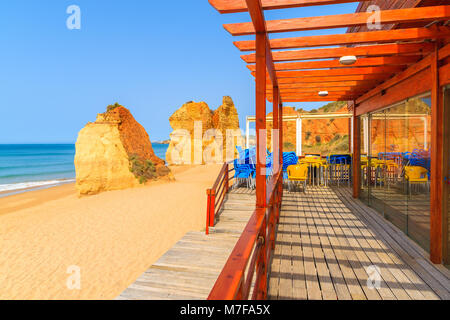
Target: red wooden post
x,y
446,170
437,122
208,209
277,157
276,128
273,219
261,119
212,208
263,286
227,178
280,183
356,154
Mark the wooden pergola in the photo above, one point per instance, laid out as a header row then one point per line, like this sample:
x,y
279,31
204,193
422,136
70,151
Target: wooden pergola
x,y
393,63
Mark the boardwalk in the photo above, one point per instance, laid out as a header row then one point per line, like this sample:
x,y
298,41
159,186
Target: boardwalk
x,y
189,270
326,241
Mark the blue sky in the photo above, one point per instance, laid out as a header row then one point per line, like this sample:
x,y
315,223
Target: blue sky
x,y
150,56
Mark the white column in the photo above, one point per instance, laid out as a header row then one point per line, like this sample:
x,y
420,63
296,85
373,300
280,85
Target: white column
x,y
247,135
366,135
351,134
299,136
425,126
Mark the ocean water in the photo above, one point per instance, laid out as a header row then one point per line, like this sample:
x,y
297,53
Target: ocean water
x,y
160,150
28,166
42,165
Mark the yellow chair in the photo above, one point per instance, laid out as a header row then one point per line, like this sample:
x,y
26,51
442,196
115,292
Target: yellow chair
x,y
392,171
416,175
298,173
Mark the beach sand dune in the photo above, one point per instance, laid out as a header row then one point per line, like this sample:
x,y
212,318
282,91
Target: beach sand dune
x,y
112,237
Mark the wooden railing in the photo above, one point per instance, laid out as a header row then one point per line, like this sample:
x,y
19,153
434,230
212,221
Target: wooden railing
x,y
252,253
216,195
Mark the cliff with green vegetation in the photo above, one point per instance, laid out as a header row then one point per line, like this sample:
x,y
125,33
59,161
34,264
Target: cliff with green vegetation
x,y
115,152
323,136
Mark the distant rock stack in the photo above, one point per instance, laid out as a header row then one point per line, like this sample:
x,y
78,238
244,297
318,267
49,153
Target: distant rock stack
x,y
183,123
115,153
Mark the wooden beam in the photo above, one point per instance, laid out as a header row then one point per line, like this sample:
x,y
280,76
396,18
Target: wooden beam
x,y
357,77
312,89
444,52
360,51
316,95
316,92
444,75
356,89
415,85
412,70
261,55
437,181
364,62
234,6
408,15
446,168
270,64
259,24
276,126
362,86
328,99
339,72
366,84
411,34
281,144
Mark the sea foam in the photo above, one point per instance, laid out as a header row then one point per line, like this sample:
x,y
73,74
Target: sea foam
x,y
30,185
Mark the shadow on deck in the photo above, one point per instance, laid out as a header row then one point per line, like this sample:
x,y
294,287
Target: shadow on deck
x,y
190,268
329,245
326,247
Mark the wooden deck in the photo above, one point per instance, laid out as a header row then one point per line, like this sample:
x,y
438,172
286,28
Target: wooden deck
x,y
189,270
325,242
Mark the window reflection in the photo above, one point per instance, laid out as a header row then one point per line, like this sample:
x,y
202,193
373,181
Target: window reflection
x,y
396,167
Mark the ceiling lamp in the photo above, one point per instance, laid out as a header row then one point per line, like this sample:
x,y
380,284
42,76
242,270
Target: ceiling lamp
x,y
323,93
348,60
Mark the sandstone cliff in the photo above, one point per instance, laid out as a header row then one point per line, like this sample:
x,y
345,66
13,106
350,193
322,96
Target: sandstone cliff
x,y
115,153
199,133
332,135
323,136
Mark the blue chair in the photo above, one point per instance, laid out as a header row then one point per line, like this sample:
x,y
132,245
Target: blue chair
x,y
340,167
242,174
289,159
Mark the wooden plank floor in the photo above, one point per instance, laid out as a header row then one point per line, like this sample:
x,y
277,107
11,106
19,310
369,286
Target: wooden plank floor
x,y
190,268
328,244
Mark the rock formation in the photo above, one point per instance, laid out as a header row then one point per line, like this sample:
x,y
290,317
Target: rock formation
x,y
317,135
115,153
289,130
332,135
199,133
400,135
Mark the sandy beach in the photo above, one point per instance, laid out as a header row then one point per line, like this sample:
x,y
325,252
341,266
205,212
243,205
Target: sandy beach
x,y
112,237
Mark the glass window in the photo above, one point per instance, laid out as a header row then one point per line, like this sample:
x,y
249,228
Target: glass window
x,y
396,176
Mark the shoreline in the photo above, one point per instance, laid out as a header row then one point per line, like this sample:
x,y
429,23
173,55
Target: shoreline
x,y
113,237
8,193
